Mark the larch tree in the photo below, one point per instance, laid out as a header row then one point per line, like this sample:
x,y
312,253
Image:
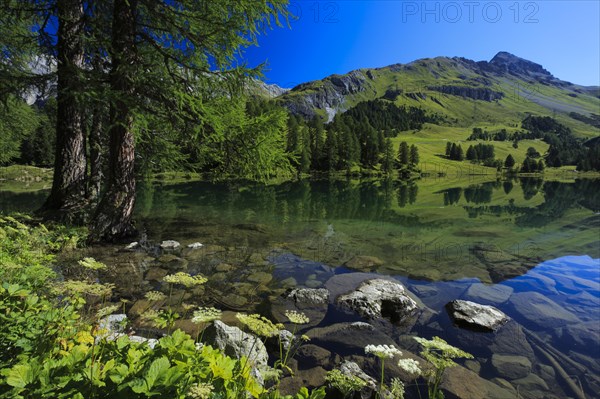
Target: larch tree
x,y
69,181
173,60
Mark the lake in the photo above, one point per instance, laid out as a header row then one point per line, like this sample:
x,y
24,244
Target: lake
x,y
529,247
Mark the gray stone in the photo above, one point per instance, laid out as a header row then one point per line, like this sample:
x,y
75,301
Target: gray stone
x,y
169,245
380,298
113,323
476,316
195,245
351,369
150,341
286,338
308,296
540,310
488,294
511,367
236,343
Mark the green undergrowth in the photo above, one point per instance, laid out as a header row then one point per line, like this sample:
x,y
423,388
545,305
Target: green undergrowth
x,y
51,345
55,342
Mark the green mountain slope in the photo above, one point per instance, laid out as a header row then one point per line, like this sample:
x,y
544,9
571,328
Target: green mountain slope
x,y
492,95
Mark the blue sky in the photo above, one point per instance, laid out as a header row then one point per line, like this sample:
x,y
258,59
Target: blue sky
x,y
339,36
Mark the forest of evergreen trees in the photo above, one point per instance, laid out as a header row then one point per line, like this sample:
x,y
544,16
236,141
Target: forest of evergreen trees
x,y
358,137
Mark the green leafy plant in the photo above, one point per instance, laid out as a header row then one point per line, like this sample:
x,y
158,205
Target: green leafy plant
x,y
382,352
440,354
345,384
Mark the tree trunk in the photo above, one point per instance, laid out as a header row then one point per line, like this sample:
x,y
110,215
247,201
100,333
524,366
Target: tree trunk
x,y
68,187
113,218
95,158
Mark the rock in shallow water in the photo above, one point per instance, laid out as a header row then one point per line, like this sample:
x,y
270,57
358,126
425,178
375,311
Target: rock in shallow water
x,y
511,367
169,244
488,294
460,383
542,311
364,263
474,315
379,298
308,296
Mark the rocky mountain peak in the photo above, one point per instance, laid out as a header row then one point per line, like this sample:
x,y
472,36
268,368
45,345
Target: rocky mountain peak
x,y
516,65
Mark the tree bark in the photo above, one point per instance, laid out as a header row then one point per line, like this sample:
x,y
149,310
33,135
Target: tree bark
x,y
68,187
95,142
113,218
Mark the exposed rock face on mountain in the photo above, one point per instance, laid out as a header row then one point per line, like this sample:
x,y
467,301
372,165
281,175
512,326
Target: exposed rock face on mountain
x,y
515,65
329,96
476,93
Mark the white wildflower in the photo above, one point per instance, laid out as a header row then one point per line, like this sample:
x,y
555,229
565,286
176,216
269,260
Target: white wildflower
x,y
382,351
411,367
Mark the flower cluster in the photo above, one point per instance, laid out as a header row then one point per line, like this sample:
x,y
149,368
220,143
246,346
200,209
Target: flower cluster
x,y
200,391
297,317
205,315
383,351
259,325
92,264
411,367
155,296
105,311
441,353
149,315
85,288
185,279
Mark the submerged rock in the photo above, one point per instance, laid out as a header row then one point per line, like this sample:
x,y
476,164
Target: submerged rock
x,y
348,338
541,311
380,298
313,355
488,294
511,367
364,263
460,383
308,296
582,336
476,316
532,386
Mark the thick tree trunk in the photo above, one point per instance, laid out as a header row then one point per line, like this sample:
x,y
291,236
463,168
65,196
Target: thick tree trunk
x,y
113,218
95,157
68,187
